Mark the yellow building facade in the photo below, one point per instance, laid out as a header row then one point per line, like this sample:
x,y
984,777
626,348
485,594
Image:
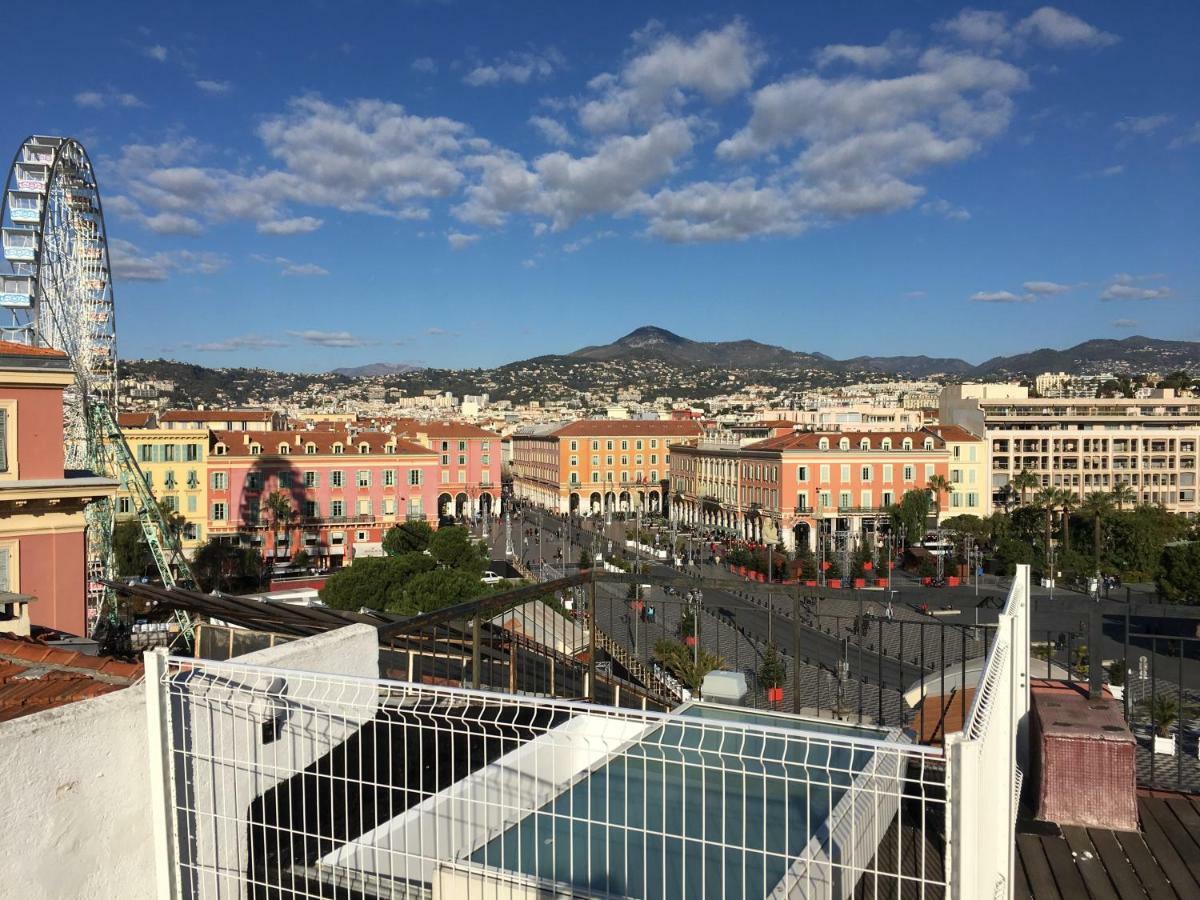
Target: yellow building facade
x,y
174,462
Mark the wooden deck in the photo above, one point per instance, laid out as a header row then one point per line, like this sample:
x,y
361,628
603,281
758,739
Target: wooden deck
x,y
1161,862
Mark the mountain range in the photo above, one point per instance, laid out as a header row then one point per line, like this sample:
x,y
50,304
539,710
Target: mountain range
x,y
1140,354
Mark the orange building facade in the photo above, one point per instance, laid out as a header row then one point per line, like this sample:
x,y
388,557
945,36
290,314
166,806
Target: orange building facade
x,y
597,466
801,485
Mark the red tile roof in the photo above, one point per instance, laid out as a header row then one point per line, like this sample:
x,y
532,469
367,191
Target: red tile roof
x,y
811,440
216,415
238,443
10,348
134,419
36,677
952,433
628,428
445,428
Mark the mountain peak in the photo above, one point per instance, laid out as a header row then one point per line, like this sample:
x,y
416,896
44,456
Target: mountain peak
x,y
650,335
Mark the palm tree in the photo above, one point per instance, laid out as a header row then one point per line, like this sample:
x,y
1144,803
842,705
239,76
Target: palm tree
x,y
1047,499
688,665
1097,506
282,514
938,485
1068,502
1025,481
1122,493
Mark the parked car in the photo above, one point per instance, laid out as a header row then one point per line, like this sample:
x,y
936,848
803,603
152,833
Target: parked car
x,y
490,577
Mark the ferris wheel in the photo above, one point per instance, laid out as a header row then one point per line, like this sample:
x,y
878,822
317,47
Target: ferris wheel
x,y
56,291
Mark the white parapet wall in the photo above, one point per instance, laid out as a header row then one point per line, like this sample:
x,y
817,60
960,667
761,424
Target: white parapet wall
x,y
76,791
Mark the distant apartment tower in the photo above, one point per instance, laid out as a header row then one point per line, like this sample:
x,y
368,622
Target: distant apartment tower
x,y
1085,445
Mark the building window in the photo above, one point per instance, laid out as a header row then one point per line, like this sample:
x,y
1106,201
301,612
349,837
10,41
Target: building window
x,y
462,477
802,473
844,500
624,445
487,445
608,460
595,445
608,445
389,506
908,473
485,460
337,449
285,480
191,452
124,506
255,449
824,474
364,507
311,480
595,477
219,481
254,481
845,473
462,460
972,499
653,459
218,512
191,503
624,460
336,478
825,499
462,445
337,508
310,509
887,473
389,477
414,477
3,440
310,449
866,473
145,453
168,452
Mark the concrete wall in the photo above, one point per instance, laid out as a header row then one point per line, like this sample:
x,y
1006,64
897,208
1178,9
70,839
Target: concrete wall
x,y
75,794
52,569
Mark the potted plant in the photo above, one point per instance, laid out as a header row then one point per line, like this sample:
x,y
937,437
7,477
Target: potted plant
x,y
772,674
1116,679
1163,712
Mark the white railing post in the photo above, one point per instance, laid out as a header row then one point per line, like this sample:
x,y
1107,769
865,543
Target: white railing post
x,y
158,722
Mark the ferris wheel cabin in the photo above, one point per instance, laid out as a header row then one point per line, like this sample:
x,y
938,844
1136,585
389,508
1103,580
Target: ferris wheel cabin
x,y
16,291
20,244
25,206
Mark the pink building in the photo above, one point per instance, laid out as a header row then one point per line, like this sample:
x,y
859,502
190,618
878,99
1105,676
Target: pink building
x,y
469,463
345,490
42,546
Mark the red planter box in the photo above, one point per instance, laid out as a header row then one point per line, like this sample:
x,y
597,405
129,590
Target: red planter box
x,y
952,581
926,581
868,566
860,582
880,582
812,583
826,566
834,582
690,640
775,694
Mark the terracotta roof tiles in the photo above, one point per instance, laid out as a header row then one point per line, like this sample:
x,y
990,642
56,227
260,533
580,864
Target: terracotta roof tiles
x,y
11,348
238,443
36,677
628,428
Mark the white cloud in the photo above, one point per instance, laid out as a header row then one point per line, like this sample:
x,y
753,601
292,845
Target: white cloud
x,y
564,188
872,57
425,65
577,245
157,52
519,68
459,241
243,342
300,225
172,223
945,209
552,130
1125,323
303,270
657,82
1187,139
291,268
1055,28
1046,288
1001,297
130,263
1127,287
106,98
978,26
331,338
214,87
528,264
1142,124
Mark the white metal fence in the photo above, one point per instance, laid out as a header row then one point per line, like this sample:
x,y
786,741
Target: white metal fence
x,y
291,784
986,761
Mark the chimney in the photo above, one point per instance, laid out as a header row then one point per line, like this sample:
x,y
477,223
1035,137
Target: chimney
x,y
297,439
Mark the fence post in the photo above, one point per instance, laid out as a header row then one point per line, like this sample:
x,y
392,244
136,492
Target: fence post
x,y
158,729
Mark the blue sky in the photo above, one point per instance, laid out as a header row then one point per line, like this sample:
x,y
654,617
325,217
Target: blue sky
x,y
470,183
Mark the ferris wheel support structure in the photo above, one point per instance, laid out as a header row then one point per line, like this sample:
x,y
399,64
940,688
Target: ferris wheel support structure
x,y
57,292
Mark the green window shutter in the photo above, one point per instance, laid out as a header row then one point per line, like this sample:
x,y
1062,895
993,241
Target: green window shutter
x,y
4,582
3,440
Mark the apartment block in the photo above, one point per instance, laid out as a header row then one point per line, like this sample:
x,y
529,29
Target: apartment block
x,y
344,491
1085,445
594,466
173,463
803,484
